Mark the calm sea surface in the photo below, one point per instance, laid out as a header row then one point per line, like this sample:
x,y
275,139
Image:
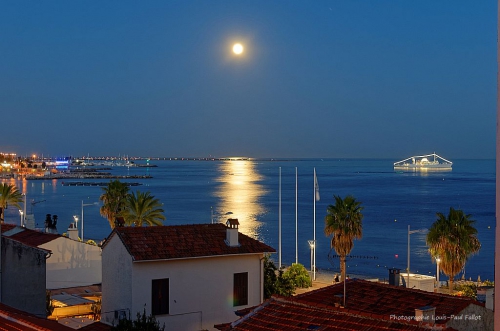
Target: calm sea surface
x,y
199,191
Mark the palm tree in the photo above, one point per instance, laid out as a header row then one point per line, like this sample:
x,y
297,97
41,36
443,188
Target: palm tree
x,y
113,197
453,238
9,195
344,223
143,208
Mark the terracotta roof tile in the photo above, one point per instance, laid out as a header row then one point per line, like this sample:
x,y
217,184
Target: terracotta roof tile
x,y
14,319
286,314
183,241
32,238
382,300
7,227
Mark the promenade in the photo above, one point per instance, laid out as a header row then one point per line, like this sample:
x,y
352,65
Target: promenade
x,y
326,278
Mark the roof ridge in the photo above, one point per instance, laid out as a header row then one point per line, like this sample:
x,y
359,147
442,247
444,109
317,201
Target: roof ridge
x,y
28,245
251,313
350,312
169,242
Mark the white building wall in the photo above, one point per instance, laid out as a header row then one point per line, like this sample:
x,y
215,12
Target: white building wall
x,y
201,289
419,282
472,318
72,263
116,280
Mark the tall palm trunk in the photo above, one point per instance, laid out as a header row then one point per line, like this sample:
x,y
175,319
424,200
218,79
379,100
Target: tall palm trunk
x,y
342,267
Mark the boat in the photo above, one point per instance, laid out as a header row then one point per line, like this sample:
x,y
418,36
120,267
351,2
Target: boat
x,y
424,162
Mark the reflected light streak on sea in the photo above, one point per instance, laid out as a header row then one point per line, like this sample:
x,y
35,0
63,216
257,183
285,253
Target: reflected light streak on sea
x,y
202,191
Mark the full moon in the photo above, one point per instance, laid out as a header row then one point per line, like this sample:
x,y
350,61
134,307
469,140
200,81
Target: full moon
x,y
237,48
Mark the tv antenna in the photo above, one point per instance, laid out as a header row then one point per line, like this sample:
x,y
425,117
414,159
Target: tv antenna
x,y
33,202
332,256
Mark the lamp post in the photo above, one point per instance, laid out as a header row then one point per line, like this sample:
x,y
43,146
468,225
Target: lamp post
x,y
408,267
84,205
21,213
437,270
24,210
76,223
312,244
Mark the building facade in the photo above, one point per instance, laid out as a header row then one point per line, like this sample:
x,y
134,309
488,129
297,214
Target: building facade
x,y
189,277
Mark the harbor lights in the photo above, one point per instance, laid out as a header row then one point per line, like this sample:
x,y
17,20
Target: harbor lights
x,y
312,243
85,205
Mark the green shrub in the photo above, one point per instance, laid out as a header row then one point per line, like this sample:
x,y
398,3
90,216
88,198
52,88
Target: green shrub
x,y
467,290
142,323
298,275
275,282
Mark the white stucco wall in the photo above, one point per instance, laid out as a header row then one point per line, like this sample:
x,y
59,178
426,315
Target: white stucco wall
x,y
472,318
72,263
201,289
116,279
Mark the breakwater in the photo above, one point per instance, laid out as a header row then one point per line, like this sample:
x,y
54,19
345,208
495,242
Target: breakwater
x,y
94,184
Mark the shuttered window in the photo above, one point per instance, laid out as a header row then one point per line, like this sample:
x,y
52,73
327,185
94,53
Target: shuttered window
x,y
240,289
160,296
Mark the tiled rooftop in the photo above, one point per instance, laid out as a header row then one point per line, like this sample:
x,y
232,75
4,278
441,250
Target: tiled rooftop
x,y
183,241
30,237
7,227
385,300
78,290
284,314
14,319
26,236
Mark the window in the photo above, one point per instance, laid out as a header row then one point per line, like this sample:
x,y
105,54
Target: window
x,y
240,289
160,296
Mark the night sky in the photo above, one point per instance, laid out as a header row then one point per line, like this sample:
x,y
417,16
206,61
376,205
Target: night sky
x,y
328,79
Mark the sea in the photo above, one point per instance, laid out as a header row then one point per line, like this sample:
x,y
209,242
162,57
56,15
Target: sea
x,y
209,191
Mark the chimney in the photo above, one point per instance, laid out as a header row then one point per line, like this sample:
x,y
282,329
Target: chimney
x,y
232,232
425,314
73,232
394,276
485,295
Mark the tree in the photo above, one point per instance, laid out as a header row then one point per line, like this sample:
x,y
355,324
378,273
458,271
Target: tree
x,y
141,323
113,197
284,285
344,223
142,208
9,195
453,239
270,277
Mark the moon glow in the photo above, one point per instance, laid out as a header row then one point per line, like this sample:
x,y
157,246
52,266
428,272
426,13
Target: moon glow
x,y
237,49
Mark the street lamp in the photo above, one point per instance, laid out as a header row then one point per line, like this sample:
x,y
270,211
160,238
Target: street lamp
x,y
84,205
21,213
312,244
437,270
76,222
408,269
